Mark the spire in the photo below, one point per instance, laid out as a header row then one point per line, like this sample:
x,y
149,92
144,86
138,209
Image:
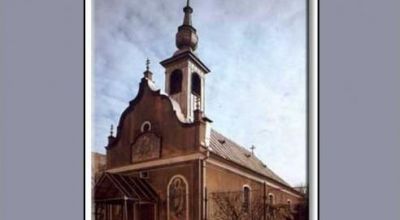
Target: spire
x,y
111,130
148,74
111,137
147,64
187,20
185,72
186,38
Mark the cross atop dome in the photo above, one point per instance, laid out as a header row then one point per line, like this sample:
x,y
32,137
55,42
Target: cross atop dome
x,y
188,11
186,38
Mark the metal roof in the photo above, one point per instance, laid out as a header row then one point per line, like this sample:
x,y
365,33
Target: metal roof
x,y
226,148
113,186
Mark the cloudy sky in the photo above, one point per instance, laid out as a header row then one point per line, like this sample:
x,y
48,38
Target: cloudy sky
x,y
256,50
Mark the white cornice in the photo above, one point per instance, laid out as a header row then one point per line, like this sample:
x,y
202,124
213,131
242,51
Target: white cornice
x,y
160,162
198,156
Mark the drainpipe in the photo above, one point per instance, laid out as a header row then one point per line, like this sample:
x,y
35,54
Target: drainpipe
x,y
204,187
265,199
201,133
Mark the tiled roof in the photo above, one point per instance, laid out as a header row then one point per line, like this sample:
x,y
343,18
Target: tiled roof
x,y
229,150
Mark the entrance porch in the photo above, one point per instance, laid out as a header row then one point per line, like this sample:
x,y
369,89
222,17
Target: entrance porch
x,y
122,197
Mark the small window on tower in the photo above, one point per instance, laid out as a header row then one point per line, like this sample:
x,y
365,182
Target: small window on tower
x,y
196,84
175,83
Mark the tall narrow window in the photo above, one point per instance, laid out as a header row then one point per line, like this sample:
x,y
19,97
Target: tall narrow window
x,y
246,199
175,82
271,199
196,84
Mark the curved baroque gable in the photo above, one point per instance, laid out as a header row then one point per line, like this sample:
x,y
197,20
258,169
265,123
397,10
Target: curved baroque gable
x,y
147,85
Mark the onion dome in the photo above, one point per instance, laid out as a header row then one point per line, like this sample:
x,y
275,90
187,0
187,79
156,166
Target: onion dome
x,y
186,38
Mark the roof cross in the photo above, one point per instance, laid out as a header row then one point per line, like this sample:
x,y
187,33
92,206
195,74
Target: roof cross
x,y
252,149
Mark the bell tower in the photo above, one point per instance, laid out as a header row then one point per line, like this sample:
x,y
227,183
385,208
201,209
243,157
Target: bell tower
x,y
184,71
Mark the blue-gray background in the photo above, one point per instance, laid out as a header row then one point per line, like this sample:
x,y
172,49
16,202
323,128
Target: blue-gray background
x,y
359,109
41,106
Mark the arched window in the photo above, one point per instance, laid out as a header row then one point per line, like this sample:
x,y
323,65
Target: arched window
x,y
271,199
196,84
175,82
246,199
289,204
178,198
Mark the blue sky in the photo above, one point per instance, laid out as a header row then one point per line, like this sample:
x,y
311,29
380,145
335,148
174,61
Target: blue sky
x,y
256,50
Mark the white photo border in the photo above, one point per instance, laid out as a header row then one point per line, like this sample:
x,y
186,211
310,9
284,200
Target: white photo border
x,y
313,111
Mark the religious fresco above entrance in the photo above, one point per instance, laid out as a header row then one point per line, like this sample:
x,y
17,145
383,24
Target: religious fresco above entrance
x,y
146,147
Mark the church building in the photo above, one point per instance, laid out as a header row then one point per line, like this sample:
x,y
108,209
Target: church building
x,y
166,162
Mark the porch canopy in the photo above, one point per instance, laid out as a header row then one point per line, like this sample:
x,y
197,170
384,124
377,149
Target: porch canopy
x,y
113,187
